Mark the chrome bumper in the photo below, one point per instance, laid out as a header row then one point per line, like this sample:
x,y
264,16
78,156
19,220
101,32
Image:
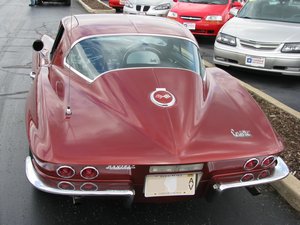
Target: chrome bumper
x,y
34,179
281,171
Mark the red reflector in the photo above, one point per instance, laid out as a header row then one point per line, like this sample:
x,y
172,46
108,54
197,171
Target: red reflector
x,y
264,174
89,187
89,172
268,161
247,177
65,171
64,185
251,164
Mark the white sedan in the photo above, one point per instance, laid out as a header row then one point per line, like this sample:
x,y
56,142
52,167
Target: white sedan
x,y
148,7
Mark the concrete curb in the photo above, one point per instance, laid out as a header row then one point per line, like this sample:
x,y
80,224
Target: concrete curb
x,y
97,11
289,187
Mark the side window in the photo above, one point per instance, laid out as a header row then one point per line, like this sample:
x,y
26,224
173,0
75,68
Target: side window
x,y
57,40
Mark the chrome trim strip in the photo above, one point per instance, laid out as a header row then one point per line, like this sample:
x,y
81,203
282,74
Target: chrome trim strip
x,y
34,179
280,172
191,18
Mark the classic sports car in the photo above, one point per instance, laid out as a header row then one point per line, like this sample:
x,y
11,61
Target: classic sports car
x,y
203,17
122,105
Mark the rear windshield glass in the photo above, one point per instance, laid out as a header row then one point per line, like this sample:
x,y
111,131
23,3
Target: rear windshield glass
x,y
96,55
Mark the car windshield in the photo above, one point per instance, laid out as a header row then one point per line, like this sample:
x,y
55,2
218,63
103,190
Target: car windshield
x,y
96,55
274,10
211,2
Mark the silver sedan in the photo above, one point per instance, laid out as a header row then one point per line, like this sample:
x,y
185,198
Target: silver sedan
x,y
264,35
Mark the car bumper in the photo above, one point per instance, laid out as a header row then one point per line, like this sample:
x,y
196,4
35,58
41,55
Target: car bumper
x,y
281,171
150,12
40,184
287,64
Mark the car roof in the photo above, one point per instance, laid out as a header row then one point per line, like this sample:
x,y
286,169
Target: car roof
x,y
80,26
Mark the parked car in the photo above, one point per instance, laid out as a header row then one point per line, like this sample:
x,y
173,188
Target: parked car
x,y
122,105
117,4
148,7
264,35
203,17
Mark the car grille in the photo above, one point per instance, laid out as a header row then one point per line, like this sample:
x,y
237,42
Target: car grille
x,y
258,45
191,18
142,8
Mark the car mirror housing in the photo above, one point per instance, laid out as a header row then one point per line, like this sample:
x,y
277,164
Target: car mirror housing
x,y
233,11
37,45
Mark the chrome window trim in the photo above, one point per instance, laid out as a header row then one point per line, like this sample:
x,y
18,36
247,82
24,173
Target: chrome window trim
x,y
123,34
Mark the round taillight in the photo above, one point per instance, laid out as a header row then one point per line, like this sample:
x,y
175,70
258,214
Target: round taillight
x,y
251,164
247,177
65,171
268,161
89,172
64,185
263,174
89,187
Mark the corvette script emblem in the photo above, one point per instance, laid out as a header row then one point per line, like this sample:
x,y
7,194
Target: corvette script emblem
x,y
163,98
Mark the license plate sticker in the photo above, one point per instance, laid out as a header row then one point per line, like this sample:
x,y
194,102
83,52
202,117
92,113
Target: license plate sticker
x,y
190,26
255,61
170,185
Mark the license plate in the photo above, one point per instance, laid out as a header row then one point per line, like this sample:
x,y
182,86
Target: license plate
x,y
255,61
170,185
190,26
142,13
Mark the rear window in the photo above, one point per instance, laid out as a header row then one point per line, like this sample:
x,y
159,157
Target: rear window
x,y
94,56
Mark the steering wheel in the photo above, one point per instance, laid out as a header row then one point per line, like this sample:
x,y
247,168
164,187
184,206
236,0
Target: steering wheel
x,y
137,48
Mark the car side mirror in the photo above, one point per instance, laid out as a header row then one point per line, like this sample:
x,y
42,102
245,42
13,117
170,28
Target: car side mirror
x,y
233,11
37,45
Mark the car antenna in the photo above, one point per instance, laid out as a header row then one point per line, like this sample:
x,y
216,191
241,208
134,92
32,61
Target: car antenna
x,y
68,111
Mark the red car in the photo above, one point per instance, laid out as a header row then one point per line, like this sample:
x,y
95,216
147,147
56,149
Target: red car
x,y
203,17
117,4
122,105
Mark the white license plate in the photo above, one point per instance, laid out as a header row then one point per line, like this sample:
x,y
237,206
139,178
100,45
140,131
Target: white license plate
x,y
190,26
170,185
255,61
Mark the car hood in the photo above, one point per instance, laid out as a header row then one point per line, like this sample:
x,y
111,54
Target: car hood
x,y
199,10
150,2
262,30
114,121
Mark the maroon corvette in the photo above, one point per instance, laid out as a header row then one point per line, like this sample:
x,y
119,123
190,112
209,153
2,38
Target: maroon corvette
x,y
123,106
